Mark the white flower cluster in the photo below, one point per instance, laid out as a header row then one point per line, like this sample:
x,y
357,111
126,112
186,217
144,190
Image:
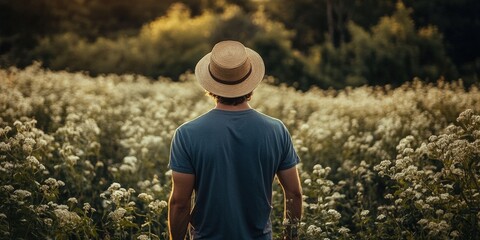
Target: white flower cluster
x,y
157,206
433,178
374,160
66,218
118,214
117,195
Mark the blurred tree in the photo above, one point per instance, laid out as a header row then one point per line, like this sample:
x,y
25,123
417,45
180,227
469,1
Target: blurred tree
x,y
111,16
392,52
316,21
306,17
459,21
23,22
305,41
172,44
167,46
235,24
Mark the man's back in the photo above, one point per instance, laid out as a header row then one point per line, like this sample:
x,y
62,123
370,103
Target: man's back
x,y
234,156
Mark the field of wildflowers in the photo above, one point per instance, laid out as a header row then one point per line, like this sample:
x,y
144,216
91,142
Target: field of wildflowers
x,y
86,158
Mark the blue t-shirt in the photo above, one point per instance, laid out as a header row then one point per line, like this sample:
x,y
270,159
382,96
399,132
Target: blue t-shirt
x,y
234,156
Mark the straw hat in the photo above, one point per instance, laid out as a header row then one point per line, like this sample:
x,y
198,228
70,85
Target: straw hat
x,y
230,70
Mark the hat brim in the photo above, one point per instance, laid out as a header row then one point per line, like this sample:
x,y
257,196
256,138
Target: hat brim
x,y
225,90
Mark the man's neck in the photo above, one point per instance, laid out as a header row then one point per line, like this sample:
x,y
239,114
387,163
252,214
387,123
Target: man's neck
x,y
239,107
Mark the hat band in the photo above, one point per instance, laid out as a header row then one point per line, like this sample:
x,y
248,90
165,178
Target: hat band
x,y
230,82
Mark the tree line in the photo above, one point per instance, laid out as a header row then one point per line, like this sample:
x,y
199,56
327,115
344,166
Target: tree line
x,y
305,43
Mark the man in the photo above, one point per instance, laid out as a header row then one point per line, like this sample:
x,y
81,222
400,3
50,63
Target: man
x,y
230,155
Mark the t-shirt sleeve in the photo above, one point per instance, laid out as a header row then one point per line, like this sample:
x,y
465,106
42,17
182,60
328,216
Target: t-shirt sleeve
x,y
180,160
290,157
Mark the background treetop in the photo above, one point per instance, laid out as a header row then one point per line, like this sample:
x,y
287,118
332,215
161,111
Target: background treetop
x,y
305,43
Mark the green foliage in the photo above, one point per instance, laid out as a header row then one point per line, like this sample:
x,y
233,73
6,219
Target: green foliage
x,y
376,56
325,43
167,46
85,157
173,44
391,52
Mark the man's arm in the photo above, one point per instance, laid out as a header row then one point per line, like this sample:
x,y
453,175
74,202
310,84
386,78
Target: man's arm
x,y
179,204
292,190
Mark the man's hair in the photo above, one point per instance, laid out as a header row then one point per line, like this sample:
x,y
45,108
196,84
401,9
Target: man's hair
x,y
231,101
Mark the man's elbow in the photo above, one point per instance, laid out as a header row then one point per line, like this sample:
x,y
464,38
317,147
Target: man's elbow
x,y
179,203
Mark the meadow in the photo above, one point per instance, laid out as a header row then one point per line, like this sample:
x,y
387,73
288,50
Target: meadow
x,y
86,157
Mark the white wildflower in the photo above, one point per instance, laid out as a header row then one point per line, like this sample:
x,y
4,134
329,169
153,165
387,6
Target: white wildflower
x,y
126,168
87,207
117,214
51,181
42,143
27,148
29,141
72,160
145,197
33,160
17,123
364,213
72,200
422,221
5,147
444,196
439,212
157,188
433,199
343,230
8,188
418,195
336,215
22,194
106,203
143,237
157,206
41,208
66,218
99,164
60,183
62,206
48,221
455,234
114,186
117,195
312,229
